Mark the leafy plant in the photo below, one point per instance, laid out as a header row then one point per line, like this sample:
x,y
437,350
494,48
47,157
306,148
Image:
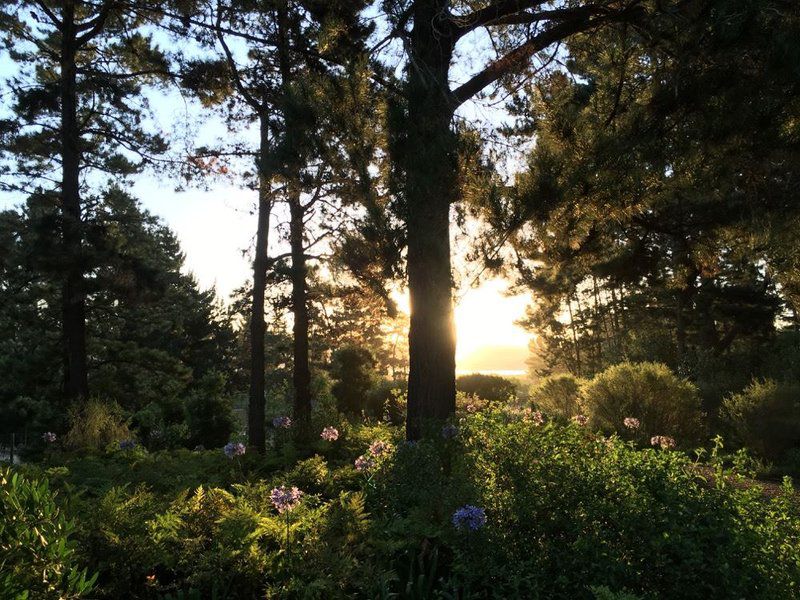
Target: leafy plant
x,y
37,552
765,417
663,403
558,396
96,424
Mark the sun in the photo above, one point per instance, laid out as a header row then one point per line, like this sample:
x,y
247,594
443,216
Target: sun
x,y
485,318
487,336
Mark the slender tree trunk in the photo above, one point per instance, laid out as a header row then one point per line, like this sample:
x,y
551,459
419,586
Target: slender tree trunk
x,y
295,132
601,331
255,413
429,159
683,304
76,380
578,367
302,371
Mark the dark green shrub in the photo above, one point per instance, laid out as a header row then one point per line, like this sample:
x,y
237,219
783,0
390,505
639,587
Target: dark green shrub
x,y
353,371
486,387
558,396
567,510
663,403
386,401
209,413
27,414
765,418
115,531
37,552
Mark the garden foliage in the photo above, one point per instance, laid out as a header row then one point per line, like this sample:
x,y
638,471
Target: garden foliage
x,y
498,506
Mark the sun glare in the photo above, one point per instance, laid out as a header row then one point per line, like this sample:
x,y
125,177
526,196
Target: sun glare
x,y
485,319
487,336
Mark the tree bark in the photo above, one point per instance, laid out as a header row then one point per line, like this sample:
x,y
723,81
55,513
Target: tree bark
x,y
578,368
76,379
430,165
255,412
301,374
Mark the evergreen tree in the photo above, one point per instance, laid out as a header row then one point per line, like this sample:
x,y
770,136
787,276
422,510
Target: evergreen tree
x,y
644,218
152,334
78,114
424,150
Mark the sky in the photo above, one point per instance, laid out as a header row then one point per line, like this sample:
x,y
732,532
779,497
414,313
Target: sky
x,y
215,227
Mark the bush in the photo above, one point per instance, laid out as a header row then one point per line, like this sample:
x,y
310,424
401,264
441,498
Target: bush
x,y
387,401
209,413
95,425
558,396
353,370
664,403
37,554
486,387
765,418
567,510
568,514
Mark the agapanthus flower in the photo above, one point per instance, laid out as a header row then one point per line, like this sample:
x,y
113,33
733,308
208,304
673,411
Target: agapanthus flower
x,y
127,444
378,448
281,422
233,449
581,420
364,463
49,437
330,434
284,498
662,441
449,431
631,423
469,517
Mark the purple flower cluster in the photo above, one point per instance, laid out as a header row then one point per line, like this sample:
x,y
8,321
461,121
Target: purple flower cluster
x,y
581,420
663,441
233,449
284,498
469,517
281,422
449,431
127,444
49,437
364,463
631,423
379,448
330,434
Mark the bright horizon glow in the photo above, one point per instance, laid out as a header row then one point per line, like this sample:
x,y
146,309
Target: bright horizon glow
x,y
485,322
487,336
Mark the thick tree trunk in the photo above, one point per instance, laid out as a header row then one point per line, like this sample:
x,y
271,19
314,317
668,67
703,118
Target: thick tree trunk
x,y
255,412
76,380
430,165
301,374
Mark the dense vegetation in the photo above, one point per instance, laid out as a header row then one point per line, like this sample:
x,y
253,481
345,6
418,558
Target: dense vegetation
x,y
500,505
637,177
